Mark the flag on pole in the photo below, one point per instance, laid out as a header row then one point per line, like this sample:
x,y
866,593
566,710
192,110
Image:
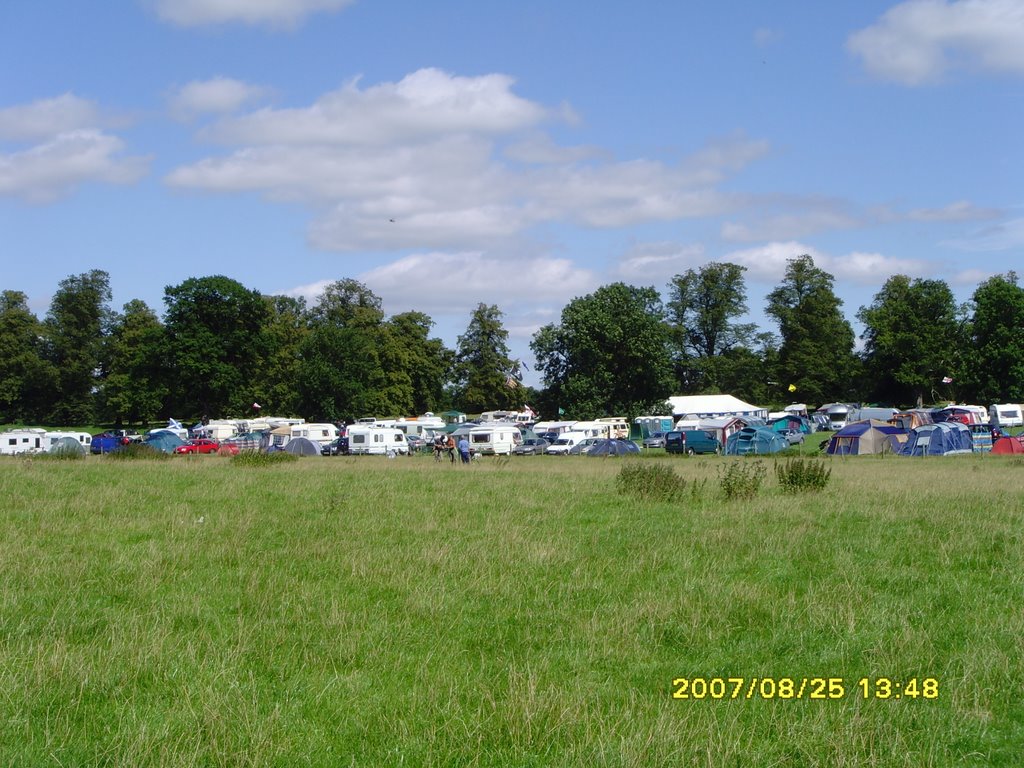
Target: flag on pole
x,y
256,406
947,380
792,387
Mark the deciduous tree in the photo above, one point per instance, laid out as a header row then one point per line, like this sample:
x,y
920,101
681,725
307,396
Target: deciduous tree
x,y
997,341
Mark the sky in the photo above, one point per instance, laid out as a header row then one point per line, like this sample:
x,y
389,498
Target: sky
x,y
518,154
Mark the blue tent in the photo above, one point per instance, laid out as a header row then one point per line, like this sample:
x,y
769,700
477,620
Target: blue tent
x,y
942,439
163,440
792,421
757,440
866,437
613,448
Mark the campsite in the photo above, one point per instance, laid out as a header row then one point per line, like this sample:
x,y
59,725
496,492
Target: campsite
x,y
356,610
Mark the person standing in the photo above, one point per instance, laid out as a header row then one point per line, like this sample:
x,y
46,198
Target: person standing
x,y
464,449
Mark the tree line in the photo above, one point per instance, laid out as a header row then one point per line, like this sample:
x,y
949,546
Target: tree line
x,y
622,350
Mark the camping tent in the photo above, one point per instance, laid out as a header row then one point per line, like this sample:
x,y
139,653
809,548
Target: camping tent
x,y
67,446
755,440
1007,444
865,437
302,446
163,440
612,448
942,439
791,421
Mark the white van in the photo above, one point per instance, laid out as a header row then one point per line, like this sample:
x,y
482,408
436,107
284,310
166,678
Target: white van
x,y
495,439
565,441
378,441
1006,415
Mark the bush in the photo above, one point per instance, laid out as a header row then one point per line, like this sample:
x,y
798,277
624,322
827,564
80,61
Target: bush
x,y
136,451
260,459
655,483
802,474
742,479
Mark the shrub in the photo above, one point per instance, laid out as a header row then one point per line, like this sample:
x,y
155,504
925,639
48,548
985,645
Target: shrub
x,y
260,459
656,483
802,474
134,451
742,479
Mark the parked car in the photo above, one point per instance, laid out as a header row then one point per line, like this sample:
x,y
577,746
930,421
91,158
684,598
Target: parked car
x,y
106,442
416,444
531,446
691,441
200,445
655,440
793,436
337,447
583,446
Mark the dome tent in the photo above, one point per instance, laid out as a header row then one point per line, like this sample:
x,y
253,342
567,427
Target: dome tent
x,y
755,440
861,438
942,439
67,446
302,446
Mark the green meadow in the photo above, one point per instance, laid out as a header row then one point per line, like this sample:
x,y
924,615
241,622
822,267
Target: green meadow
x,y
516,612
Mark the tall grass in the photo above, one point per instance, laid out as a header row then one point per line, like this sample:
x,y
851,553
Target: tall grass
x,y
356,611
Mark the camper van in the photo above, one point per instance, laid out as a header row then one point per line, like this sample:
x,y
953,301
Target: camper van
x,y
835,416
618,427
1006,415
377,441
29,440
494,439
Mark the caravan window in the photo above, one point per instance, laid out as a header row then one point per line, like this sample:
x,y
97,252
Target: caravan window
x,y
481,437
358,438
13,441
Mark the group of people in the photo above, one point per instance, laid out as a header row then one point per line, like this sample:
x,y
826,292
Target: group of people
x,y
446,444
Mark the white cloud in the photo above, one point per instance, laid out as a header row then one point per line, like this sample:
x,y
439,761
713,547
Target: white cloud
x,y
193,13
918,41
51,170
46,118
788,226
1005,236
656,263
971,277
423,105
961,210
217,95
450,163
767,263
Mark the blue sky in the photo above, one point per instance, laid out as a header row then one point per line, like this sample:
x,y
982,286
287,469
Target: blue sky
x,y
518,154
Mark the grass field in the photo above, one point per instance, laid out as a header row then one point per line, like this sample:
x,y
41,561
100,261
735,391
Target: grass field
x,y
516,612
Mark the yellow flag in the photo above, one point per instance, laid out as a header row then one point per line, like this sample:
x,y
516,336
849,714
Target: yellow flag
x,y
792,387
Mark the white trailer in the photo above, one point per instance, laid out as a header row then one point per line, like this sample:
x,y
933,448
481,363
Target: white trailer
x,y
1006,415
83,438
28,440
494,439
378,441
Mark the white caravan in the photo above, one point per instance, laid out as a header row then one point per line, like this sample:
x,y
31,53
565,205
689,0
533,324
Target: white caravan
x,y
379,441
29,440
321,434
494,439
83,438
1006,415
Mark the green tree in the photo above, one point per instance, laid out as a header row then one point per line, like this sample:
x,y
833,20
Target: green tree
x,y
997,341
816,351
275,386
913,338
75,327
135,382
342,375
702,311
425,362
608,355
483,369
26,377
214,326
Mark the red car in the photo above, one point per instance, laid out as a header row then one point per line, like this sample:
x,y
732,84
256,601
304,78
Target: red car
x,y
203,445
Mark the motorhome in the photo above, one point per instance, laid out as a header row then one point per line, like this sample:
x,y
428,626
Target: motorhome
x,y
1006,415
51,438
833,416
558,427
495,439
365,439
618,427
28,440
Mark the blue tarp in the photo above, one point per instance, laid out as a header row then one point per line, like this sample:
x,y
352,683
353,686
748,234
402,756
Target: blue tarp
x,y
942,439
759,440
